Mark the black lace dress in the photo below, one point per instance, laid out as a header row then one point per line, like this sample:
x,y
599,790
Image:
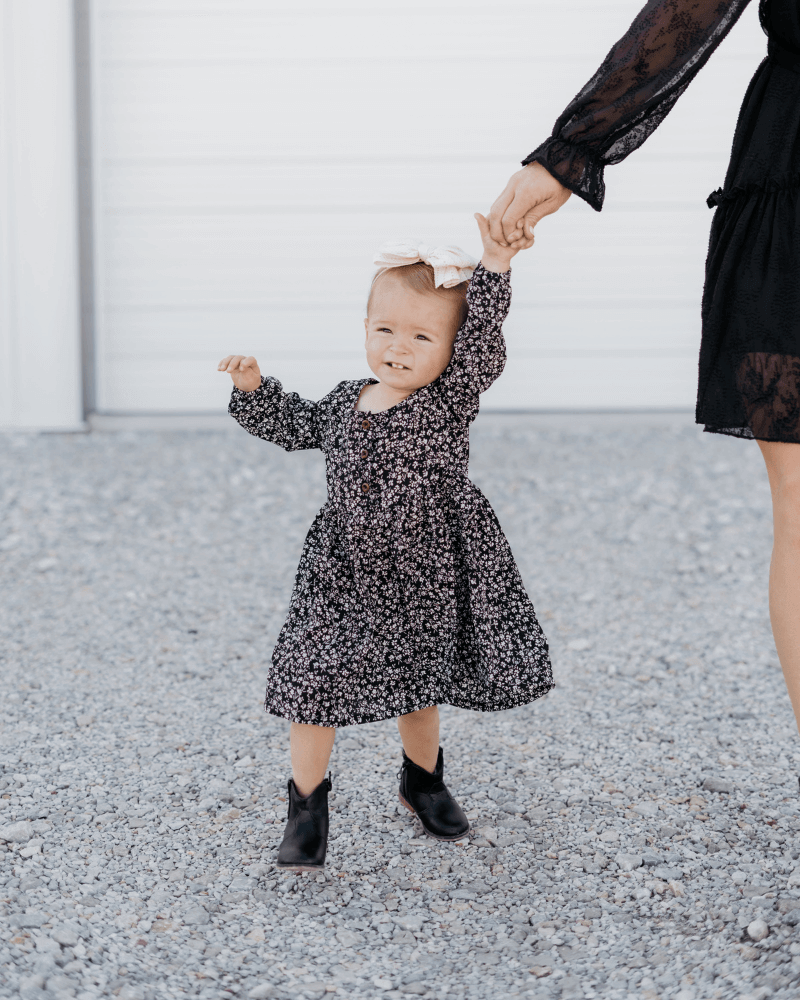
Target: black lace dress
x,y
749,379
407,594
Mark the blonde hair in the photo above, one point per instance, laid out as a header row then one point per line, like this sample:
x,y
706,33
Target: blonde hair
x,y
419,278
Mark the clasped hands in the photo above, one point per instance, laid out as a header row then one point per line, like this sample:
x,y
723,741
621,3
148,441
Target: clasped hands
x,y
530,195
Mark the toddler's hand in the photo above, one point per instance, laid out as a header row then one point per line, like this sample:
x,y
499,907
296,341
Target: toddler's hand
x,y
244,371
496,257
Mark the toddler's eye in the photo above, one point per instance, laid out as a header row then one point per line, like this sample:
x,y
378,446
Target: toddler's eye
x,y
421,336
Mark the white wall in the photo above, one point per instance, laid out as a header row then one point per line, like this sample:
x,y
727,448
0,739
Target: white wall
x,y
252,153
40,374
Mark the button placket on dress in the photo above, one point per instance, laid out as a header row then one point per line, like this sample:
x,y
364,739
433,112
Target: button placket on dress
x,y
366,424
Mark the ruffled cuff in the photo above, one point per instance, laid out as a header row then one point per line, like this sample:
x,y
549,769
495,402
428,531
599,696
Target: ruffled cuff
x,y
241,401
486,277
574,166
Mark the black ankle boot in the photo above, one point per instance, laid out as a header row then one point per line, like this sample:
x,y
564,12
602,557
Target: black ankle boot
x,y
305,839
426,795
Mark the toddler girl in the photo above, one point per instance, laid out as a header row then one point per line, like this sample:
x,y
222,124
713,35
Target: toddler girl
x,y
407,595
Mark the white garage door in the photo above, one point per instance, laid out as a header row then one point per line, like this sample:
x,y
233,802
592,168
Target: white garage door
x,y
250,155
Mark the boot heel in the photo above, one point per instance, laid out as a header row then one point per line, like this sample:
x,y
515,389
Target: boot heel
x,y
410,808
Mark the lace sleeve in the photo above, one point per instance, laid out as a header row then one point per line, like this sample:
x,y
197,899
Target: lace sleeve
x,y
634,90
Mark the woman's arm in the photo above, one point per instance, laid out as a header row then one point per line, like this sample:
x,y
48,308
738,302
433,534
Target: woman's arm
x,y
628,97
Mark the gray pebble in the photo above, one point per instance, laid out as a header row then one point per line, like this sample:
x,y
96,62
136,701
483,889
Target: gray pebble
x,y
757,930
628,862
20,832
65,935
23,920
718,785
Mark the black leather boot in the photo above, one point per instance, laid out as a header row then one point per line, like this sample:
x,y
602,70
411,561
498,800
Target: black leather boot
x,y
305,839
426,795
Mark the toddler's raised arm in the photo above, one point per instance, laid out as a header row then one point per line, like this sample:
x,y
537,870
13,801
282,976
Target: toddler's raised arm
x,y
479,351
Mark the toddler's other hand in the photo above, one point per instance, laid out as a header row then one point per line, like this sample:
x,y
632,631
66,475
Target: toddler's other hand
x,y
496,256
244,371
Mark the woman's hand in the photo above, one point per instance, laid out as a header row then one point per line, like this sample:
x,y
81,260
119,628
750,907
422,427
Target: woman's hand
x,y
497,256
244,371
530,195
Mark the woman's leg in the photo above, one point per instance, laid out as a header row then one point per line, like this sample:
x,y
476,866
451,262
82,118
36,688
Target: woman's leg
x,y
311,750
783,468
419,732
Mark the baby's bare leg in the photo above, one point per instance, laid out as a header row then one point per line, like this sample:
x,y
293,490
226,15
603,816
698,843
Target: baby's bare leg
x,y
311,750
419,732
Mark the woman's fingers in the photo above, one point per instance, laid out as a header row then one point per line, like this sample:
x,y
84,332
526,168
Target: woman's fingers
x,y
525,244
535,193
512,219
496,213
530,220
522,244
248,362
223,365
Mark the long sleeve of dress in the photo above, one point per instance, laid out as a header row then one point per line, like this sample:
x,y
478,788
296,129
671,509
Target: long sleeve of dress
x,y
277,416
479,351
634,90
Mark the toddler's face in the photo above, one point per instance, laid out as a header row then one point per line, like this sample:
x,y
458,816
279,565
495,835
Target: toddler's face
x,y
409,335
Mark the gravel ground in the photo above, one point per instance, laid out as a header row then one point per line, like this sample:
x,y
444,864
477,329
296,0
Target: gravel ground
x,y
635,834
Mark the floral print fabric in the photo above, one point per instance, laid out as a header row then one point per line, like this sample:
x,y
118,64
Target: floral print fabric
x,y
407,594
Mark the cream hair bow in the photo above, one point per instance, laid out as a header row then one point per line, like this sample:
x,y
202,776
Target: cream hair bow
x,y
450,265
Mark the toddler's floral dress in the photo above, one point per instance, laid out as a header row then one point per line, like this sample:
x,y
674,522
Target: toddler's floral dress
x,y
407,594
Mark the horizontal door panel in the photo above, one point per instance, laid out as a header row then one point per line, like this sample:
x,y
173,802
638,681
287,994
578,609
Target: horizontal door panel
x,y
270,32
176,354
304,109
168,337
222,261
551,383
591,383
266,187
